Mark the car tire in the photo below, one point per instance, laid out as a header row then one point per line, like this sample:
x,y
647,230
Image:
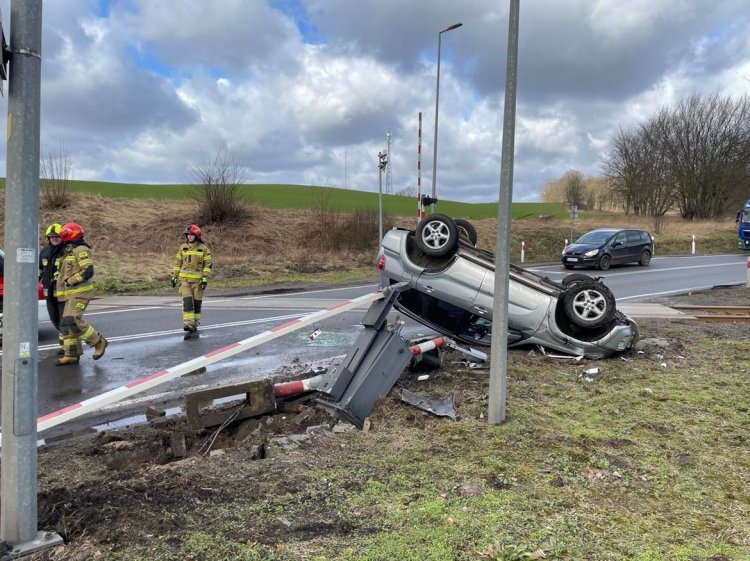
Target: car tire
x,y
466,231
645,258
576,277
605,262
568,266
437,235
589,304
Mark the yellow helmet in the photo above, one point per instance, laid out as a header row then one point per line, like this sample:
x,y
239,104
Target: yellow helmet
x,y
53,230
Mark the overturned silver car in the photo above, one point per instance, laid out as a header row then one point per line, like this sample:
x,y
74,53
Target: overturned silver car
x,y
452,292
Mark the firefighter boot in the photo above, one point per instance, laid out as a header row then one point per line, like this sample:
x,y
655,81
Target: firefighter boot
x,y
100,347
68,359
72,353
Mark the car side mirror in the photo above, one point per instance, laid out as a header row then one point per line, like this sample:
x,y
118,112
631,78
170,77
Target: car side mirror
x,y
616,244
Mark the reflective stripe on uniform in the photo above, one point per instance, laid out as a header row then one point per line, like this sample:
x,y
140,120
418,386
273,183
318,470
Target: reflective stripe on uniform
x,y
187,275
77,289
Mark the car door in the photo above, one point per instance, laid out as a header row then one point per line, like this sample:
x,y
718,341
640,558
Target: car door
x,y
635,245
458,284
619,248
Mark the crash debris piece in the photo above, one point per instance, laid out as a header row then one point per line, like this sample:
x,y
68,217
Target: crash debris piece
x,y
259,399
550,355
590,374
441,407
154,413
178,445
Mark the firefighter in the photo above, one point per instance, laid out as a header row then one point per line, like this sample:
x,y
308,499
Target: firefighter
x,y
75,287
191,269
49,266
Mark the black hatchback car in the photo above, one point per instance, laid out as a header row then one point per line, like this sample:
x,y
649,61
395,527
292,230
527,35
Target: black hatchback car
x,y
607,246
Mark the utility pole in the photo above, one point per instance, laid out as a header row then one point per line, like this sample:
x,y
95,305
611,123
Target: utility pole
x,y
388,175
499,341
382,164
18,483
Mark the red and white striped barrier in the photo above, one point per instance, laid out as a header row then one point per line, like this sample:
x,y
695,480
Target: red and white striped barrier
x,y
298,386
427,346
141,384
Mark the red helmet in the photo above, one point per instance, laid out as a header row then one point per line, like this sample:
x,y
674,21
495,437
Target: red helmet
x,y
193,229
71,231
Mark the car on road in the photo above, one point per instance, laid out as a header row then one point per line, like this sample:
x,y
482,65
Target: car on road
x,y
608,246
41,301
452,291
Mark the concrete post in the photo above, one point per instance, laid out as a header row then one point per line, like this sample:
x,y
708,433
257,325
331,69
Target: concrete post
x,y
18,483
499,344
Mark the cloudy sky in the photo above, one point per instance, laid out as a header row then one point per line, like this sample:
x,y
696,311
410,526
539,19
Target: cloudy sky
x,y
305,90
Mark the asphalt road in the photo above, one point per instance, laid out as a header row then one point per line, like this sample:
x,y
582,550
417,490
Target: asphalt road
x,y
145,333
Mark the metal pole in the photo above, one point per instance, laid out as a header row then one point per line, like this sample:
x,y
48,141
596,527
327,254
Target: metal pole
x,y
420,210
437,104
499,352
380,206
345,181
381,159
18,483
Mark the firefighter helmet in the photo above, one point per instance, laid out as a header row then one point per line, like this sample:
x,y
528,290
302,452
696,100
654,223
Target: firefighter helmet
x,y
193,229
53,230
71,231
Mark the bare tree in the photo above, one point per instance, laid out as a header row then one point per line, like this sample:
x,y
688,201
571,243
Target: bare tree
x,y
695,156
217,190
572,183
708,146
553,191
408,191
55,171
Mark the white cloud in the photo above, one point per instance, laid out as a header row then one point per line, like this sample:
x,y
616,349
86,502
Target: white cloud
x,y
139,89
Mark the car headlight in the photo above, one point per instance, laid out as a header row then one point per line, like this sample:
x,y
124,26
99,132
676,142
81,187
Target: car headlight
x,y
591,253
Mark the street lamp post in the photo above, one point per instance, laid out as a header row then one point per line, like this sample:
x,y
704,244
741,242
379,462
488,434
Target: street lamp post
x,y
437,102
382,164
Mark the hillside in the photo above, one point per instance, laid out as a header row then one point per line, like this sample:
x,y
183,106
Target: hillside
x,y
134,240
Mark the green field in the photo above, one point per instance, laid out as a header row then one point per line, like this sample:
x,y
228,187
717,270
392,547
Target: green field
x,y
305,196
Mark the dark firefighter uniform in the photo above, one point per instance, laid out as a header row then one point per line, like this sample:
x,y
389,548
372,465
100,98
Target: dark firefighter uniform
x,y
49,267
75,287
191,269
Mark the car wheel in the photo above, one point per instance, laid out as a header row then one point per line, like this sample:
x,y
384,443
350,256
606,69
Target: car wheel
x,y
645,258
568,266
605,262
575,277
589,304
466,231
437,235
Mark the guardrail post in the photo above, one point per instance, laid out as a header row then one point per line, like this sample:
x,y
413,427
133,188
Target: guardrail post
x,y
523,251
692,246
748,273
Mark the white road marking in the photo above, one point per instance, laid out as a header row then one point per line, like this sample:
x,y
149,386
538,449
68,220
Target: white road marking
x,y
176,331
281,294
120,310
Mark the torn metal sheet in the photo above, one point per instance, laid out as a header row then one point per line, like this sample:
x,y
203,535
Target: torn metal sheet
x,y
441,407
469,353
550,355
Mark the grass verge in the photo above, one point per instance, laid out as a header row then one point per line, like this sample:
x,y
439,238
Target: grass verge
x,y
648,462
